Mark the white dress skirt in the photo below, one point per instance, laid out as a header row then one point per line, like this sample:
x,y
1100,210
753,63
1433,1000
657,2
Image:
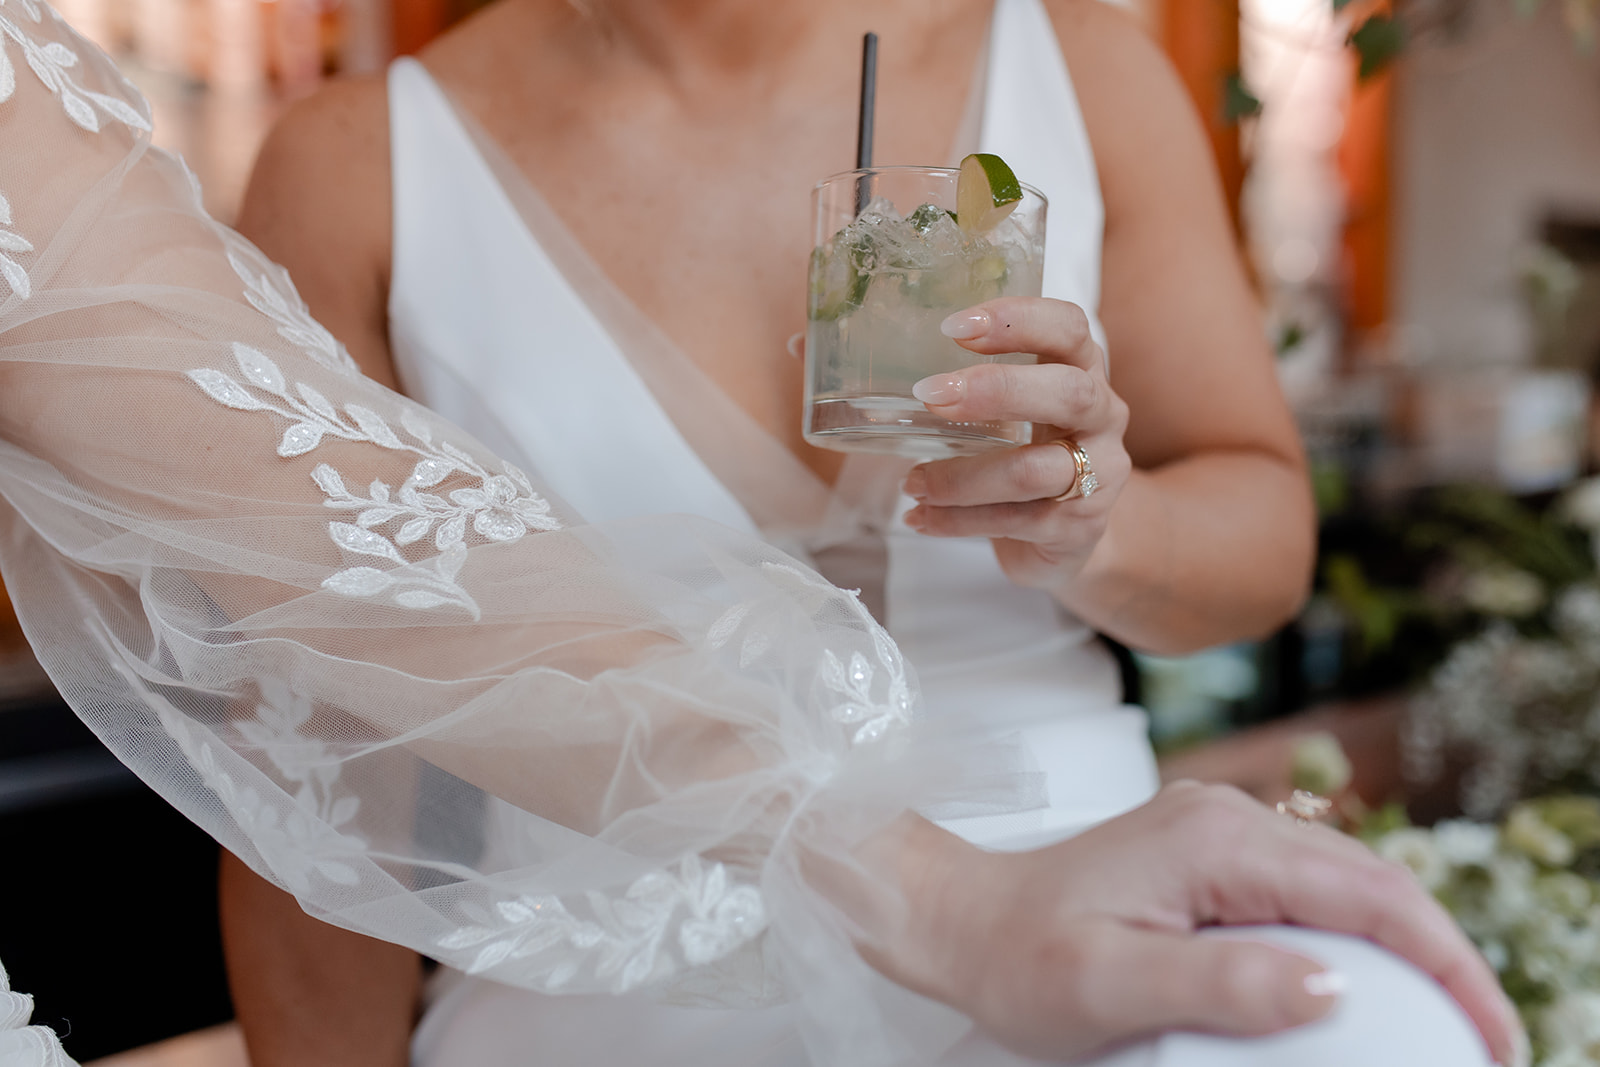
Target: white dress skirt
x,y
500,322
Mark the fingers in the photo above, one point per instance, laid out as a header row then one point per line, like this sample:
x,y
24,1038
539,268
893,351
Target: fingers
x,y
1276,871
1154,981
1006,476
1054,330
1052,393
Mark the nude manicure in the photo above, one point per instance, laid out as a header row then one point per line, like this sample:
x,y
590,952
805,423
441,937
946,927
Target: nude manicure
x,y
940,389
965,325
1326,984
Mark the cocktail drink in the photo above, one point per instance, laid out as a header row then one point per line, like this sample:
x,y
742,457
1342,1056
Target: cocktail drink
x,y
892,260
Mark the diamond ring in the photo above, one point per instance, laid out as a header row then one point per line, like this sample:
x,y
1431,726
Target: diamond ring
x,y
1084,481
1305,807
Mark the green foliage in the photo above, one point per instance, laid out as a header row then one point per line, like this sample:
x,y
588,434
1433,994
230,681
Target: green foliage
x,y
1378,42
1238,102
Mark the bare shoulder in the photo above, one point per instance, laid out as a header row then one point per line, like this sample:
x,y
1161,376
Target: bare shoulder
x,y
318,202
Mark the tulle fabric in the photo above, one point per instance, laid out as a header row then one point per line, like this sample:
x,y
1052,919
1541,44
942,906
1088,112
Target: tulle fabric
x,y
394,674
22,1045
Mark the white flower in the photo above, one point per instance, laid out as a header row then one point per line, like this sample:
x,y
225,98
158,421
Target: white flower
x,y
1414,848
1511,898
1320,764
1572,1023
1529,834
1504,591
1581,504
1464,843
1577,612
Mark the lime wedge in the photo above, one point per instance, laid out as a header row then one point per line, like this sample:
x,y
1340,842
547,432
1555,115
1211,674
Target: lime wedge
x,y
986,192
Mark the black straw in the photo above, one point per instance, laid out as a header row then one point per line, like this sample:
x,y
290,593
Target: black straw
x,y
869,95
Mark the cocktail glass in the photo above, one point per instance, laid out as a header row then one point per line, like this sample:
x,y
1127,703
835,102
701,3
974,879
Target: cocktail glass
x,y
889,264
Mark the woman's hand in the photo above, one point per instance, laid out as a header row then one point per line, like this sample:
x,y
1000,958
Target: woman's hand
x,y
1069,949
1009,494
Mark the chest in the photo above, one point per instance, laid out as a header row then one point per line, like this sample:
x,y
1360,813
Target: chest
x,y
701,215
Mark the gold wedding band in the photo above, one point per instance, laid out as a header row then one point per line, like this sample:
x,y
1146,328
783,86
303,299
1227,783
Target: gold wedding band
x,y
1084,481
1305,807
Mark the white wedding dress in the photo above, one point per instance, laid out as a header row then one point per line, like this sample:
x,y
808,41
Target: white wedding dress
x,y
630,428
570,726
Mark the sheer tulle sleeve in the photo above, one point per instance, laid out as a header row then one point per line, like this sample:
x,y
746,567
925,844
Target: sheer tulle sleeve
x,y
392,672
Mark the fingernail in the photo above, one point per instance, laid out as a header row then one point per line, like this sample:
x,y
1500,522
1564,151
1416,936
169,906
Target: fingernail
x,y
965,325
1326,983
940,389
916,483
914,518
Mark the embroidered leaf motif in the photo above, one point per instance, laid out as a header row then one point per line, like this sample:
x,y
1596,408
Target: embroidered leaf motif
x,y
316,401
358,581
452,533
329,481
413,531
8,75
365,542
299,439
13,243
16,278
430,472
259,370
224,390
417,426
421,599
372,425
503,507
118,110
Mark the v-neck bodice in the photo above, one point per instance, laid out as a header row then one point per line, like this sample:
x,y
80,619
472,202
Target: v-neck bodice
x,y
499,320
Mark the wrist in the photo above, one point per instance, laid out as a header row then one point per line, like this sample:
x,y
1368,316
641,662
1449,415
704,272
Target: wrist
x,y
934,945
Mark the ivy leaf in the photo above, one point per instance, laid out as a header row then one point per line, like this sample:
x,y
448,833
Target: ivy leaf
x,y
1379,42
1238,102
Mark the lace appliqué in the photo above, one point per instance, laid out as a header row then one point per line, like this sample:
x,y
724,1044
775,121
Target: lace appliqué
x,y
503,507
628,937
857,699
297,844
51,62
302,760
10,269
268,288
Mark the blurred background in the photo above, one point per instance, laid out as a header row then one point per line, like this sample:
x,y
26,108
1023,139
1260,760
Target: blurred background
x,y
1416,185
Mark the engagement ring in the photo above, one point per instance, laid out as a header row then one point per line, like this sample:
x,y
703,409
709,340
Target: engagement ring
x,y
1305,808
1084,481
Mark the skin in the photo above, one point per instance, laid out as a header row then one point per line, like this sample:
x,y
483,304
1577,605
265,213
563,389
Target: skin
x,y
660,112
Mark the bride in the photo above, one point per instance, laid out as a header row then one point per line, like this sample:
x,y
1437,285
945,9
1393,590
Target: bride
x,y
569,706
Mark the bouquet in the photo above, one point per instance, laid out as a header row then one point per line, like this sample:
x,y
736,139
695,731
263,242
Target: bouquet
x,y
1527,891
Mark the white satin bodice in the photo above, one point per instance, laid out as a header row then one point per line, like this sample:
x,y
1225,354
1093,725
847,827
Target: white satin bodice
x,y
498,321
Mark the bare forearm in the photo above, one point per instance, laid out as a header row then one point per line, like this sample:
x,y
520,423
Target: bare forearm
x,y
308,994
1206,550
